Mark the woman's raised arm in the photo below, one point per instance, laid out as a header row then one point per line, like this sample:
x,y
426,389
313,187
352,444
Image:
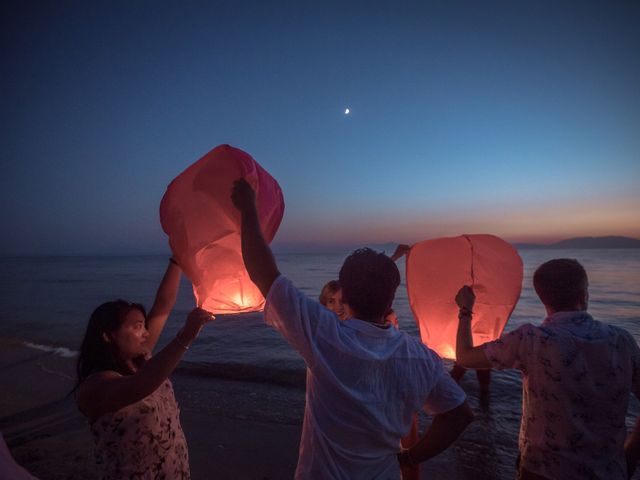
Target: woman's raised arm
x,y
163,303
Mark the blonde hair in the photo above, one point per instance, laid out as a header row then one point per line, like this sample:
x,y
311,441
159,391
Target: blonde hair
x,y
329,289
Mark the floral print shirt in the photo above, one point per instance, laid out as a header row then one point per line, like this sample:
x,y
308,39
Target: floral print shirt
x,y
577,374
143,440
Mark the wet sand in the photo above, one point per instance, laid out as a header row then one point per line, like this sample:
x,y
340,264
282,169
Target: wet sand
x,y
235,430
50,438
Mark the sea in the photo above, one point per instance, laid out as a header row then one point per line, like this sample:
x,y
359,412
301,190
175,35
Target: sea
x,y
45,304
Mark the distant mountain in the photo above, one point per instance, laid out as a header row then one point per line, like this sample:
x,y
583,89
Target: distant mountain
x,y
585,242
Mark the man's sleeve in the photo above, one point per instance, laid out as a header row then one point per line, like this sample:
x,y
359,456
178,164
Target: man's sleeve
x,y
296,317
511,350
446,393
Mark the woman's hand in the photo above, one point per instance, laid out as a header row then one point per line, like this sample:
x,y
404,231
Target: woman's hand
x,y
193,324
401,250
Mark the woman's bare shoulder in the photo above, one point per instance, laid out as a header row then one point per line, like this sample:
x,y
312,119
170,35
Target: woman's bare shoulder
x,y
91,390
96,378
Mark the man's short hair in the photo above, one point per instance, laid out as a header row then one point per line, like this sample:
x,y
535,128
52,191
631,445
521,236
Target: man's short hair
x,y
369,280
561,284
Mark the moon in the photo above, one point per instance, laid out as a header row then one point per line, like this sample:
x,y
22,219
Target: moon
x,y
347,111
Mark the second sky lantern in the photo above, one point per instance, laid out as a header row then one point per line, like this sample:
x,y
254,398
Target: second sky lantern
x,y
437,268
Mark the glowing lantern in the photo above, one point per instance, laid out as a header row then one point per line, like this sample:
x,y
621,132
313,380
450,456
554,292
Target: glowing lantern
x,y
436,269
204,227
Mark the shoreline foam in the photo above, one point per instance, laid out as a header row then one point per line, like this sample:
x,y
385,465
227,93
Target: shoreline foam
x,y
60,351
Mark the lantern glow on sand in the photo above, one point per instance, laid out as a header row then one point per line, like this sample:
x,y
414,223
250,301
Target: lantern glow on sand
x,y
438,268
203,226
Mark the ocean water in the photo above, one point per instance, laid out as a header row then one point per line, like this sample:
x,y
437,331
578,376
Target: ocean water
x,y
48,300
45,302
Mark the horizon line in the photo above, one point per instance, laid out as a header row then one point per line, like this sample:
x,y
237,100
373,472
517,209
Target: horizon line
x,y
304,247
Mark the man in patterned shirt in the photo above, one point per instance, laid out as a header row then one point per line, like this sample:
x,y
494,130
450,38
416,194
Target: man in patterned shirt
x,y
577,374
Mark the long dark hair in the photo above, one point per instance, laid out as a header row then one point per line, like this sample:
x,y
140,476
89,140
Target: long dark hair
x,y
96,354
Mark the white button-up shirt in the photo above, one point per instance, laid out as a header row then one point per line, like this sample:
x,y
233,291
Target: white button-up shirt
x,y
364,383
577,374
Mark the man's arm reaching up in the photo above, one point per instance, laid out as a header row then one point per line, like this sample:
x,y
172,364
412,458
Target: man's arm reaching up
x,y
257,256
467,355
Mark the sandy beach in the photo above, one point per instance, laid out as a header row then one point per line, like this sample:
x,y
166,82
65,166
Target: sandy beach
x,y
235,430
50,438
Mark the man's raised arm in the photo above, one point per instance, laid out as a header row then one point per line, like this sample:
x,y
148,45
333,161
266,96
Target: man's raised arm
x,y
467,355
257,256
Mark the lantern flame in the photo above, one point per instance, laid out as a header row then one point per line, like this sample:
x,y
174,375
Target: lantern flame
x,y
448,351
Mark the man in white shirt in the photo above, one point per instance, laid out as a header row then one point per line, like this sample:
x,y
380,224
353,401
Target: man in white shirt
x,y
365,379
577,374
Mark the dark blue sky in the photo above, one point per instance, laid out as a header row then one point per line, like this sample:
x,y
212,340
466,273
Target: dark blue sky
x,y
516,118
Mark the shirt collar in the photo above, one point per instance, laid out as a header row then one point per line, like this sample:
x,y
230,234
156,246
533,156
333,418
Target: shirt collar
x,y
368,328
576,317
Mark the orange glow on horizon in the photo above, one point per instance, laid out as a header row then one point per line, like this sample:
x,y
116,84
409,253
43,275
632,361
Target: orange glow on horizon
x,y
543,223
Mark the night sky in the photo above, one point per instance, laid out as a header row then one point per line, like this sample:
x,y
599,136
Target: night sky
x,y
517,118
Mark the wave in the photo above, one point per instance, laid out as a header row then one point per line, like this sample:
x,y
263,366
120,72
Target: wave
x,y
616,302
276,375
60,351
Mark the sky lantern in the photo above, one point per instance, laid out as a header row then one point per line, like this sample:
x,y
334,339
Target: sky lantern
x,y
436,269
204,227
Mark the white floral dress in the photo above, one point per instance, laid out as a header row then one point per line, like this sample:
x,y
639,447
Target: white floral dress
x,y
143,440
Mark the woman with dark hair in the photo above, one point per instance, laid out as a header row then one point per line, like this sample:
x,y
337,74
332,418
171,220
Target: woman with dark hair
x,y
125,392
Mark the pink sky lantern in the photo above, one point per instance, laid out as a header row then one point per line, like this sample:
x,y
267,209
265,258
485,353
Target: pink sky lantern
x,y
204,227
436,269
